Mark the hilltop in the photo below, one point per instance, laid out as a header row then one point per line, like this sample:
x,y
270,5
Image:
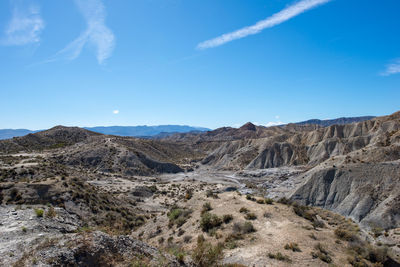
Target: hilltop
x,y
276,196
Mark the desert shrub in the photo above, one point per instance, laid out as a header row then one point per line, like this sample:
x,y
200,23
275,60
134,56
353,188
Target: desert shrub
x,y
250,216
209,221
39,212
308,214
210,193
227,218
206,207
292,246
230,240
178,216
181,232
244,210
269,201
250,197
231,244
312,236
377,231
267,215
260,201
377,254
205,254
317,223
153,188
321,253
363,250
285,201
345,234
187,238
178,253
279,256
189,194
303,211
51,213
357,261
243,228
180,221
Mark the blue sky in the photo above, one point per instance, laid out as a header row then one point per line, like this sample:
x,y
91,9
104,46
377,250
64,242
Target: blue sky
x,y
78,62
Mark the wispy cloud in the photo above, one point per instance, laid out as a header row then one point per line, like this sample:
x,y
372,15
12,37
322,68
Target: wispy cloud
x,y
393,68
97,33
116,111
273,123
24,27
277,18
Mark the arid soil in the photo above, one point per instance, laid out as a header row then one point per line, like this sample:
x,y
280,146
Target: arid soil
x,y
301,195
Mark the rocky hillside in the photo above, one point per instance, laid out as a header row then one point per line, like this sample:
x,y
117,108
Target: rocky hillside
x,y
344,120
56,137
280,146
125,155
353,169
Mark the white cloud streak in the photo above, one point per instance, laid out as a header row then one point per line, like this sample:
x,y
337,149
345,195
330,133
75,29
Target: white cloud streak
x,y
276,19
24,27
273,123
393,68
97,34
116,111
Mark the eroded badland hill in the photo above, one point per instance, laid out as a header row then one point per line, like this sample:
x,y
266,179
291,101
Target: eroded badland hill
x,y
303,195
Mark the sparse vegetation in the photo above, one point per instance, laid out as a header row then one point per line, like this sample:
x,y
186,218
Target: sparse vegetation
x,y
205,254
269,201
206,207
293,247
345,234
279,256
243,228
321,253
308,214
227,218
51,212
244,210
178,216
209,221
39,212
260,201
250,216
285,201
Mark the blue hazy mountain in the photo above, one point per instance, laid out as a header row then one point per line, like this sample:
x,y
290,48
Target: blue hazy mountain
x,y
145,130
137,131
325,123
10,133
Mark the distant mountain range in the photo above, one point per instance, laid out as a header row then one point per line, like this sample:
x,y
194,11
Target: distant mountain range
x,y
145,131
161,131
10,133
325,123
136,131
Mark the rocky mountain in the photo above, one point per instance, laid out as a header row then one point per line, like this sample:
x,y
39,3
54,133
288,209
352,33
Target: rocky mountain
x,y
74,146
298,145
334,191
145,131
343,120
55,137
157,131
353,169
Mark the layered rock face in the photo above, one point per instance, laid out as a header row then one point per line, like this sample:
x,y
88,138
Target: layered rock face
x,y
304,146
367,193
354,169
